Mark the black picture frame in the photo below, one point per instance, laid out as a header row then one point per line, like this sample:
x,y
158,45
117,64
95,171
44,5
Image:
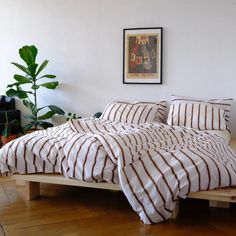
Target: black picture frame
x,y
142,55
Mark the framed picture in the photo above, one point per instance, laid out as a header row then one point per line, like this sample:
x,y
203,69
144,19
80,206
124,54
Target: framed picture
x,y
142,56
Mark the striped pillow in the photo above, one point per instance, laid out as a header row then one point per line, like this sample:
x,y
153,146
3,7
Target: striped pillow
x,y
201,116
224,104
161,114
135,113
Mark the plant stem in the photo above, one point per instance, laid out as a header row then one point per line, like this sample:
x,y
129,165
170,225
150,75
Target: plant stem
x,y
7,128
6,117
35,103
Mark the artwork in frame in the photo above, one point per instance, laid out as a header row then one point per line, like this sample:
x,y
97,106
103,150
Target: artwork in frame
x,y
142,56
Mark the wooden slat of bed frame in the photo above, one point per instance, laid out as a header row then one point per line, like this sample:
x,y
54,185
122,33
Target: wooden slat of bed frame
x,y
59,179
224,194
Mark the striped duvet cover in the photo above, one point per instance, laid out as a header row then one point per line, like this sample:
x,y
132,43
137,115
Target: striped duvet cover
x,y
154,164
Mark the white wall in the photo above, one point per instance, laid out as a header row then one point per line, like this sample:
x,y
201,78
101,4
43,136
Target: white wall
x,y
83,41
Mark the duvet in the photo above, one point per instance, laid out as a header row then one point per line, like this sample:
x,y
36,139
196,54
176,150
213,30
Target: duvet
x,y
155,164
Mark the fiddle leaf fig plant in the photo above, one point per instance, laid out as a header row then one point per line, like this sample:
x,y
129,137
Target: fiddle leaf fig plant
x,y
26,88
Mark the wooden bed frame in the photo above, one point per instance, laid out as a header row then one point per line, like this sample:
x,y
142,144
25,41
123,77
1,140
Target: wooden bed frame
x,y
217,198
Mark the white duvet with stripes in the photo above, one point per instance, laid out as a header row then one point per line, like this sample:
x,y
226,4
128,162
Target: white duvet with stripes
x,y
155,164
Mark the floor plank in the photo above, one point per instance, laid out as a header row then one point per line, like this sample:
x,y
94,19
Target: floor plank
x,y
2,233
73,211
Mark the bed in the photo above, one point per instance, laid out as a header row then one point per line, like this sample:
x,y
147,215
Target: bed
x,y
154,164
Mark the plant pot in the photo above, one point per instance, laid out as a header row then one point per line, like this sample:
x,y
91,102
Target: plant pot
x,y
8,139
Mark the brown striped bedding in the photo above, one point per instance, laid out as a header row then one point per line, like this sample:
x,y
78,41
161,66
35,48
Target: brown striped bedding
x,y
135,113
224,104
200,116
154,164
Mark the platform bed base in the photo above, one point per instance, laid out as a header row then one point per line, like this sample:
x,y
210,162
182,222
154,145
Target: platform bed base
x,y
217,198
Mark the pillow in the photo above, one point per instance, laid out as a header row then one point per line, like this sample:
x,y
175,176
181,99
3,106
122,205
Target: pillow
x,y
161,113
135,113
200,116
224,104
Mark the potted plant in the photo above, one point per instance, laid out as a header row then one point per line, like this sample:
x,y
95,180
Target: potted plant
x,y
7,134
32,81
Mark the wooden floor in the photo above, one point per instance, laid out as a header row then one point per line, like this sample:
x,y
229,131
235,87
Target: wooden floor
x,y
73,211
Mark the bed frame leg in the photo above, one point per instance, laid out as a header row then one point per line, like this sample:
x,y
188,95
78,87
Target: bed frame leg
x,y
219,204
20,182
175,211
32,190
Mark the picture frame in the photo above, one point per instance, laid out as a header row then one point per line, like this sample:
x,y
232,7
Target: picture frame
x,y
142,55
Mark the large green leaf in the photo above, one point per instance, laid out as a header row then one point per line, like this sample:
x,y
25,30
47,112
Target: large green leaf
x,y
50,85
42,66
18,88
28,54
22,79
41,108
34,51
23,68
56,110
16,93
47,76
15,84
30,106
44,124
30,125
47,115
32,69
